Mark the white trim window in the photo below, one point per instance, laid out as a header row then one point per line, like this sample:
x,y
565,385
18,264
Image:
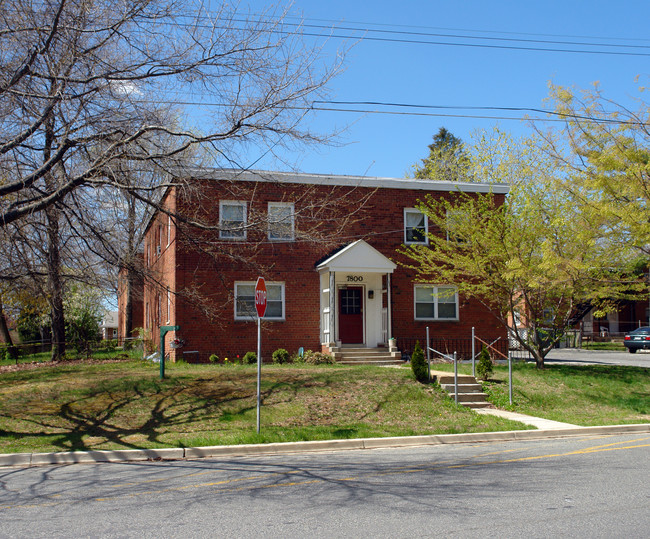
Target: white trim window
x,y
416,226
245,301
232,220
435,302
281,221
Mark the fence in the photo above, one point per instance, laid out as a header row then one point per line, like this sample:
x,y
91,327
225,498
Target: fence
x,y
39,347
463,348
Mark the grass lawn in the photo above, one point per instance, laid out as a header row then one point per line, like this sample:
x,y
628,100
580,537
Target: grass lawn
x,y
583,395
123,404
615,346
80,406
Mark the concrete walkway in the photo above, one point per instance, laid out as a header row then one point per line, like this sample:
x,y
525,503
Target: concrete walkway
x,y
538,422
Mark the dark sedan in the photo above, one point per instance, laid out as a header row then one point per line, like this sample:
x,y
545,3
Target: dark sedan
x,y
639,339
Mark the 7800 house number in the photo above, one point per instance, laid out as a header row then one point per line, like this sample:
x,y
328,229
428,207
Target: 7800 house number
x,y
355,279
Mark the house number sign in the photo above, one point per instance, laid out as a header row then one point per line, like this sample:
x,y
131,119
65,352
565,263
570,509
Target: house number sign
x,y
355,279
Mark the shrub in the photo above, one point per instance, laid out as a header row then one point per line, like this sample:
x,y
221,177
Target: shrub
x,y
250,358
484,367
214,358
280,356
4,353
296,358
419,365
144,336
317,358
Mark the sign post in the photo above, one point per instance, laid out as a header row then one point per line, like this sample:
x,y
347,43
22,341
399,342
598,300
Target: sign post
x,y
163,331
260,307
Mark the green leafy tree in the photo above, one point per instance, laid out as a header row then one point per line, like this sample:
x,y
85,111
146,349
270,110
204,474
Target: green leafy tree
x,y
535,257
605,149
83,310
447,160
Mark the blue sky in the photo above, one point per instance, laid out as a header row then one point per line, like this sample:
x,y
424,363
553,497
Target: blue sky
x,y
460,75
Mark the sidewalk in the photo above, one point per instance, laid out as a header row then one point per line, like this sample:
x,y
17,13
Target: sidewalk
x,y
538,422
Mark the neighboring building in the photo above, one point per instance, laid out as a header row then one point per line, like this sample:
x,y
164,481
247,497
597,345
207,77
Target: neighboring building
x,y
137,301
327,247
628,316
108,326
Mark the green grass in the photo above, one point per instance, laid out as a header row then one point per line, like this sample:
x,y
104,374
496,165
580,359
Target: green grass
x,y
614,346
99,353
125,405
582,395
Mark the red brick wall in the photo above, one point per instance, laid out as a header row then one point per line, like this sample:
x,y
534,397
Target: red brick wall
x,y
202,270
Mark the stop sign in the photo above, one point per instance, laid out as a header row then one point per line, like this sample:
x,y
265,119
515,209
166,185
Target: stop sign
x,y
260,297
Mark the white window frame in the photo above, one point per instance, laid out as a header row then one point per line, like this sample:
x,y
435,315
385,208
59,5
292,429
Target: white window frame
x,y
411,211
253,315
434,295
169,230
290,205
235,235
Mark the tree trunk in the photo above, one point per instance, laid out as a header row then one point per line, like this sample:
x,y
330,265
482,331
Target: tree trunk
x,y
54,284
130,270
6,336
55,289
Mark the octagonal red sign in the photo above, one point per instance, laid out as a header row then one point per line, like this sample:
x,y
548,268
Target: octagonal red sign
x,y
260,297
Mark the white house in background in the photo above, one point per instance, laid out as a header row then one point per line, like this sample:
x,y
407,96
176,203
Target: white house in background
x,y
108,326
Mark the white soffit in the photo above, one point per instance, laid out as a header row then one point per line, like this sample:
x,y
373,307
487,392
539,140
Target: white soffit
x,y
358,257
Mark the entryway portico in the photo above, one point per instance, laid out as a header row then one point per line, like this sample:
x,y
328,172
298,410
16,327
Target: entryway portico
x,y
355,297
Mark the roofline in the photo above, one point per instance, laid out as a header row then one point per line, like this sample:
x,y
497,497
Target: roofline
x,y
344,181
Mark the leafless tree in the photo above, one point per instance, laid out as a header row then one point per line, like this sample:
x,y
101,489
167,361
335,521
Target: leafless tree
x,y
89,85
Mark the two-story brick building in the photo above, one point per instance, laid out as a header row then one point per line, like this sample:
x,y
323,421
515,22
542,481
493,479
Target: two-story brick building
x,y
327,248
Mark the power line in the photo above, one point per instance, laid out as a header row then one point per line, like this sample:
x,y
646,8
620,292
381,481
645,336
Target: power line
x,y
321,105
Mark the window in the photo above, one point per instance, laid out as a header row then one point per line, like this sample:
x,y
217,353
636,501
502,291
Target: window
x,y
232,220
436,302
281,221
169,230
245,301
415,226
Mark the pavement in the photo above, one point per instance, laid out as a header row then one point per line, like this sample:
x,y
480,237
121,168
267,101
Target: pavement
x,y
537,422
545,429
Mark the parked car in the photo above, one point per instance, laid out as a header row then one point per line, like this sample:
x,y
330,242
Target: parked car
x,y
639,339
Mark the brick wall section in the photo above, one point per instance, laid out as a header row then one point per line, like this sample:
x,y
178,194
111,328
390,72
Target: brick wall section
x,y
201,270
137,304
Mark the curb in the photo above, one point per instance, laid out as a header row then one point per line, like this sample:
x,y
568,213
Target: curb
x,y
132,455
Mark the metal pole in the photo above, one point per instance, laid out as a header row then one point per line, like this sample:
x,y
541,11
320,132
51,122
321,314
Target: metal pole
x,y
162,353
259,369
510,377
428,355
473,353
455,378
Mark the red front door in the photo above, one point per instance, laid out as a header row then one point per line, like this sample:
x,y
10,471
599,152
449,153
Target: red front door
x,y
351,315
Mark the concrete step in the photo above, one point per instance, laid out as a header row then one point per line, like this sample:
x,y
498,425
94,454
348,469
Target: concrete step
x,y
449,379
463,388
470,392
474,405
365,356
469,397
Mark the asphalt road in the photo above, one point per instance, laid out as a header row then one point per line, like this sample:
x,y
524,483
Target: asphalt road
x,y
582,487
599,357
